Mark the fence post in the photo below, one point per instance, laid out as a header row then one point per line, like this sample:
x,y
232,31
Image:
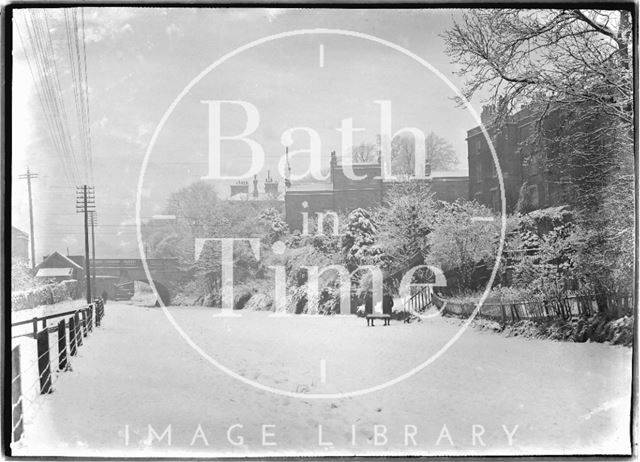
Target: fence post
x,y
90,317
62,346
97,314
35,328
72,336
78,329
16,396
44,364
83,315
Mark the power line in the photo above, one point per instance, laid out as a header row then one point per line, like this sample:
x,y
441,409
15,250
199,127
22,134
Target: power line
x,y
42,73
37,43
42,96
77,61
86,96
41,32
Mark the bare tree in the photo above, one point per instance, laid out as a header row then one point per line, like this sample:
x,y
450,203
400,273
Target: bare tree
x,y
365,153
439,154
535,56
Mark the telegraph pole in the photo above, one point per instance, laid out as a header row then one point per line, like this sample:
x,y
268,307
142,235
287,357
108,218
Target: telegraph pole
x,y
94,222
27,176
86,202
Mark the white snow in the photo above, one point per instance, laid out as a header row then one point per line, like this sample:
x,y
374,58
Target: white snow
x,y
135,376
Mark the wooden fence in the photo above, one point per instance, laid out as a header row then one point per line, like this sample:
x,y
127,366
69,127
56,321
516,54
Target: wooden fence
x,y
70,331
616,306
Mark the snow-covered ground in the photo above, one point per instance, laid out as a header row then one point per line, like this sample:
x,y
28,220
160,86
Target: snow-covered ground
x,y
136,379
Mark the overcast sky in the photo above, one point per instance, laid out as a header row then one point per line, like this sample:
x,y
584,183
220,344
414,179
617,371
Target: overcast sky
x,y
139,60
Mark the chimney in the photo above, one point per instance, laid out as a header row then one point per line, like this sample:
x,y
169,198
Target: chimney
x,y
255,186
333,164
427,169
241,187
270,186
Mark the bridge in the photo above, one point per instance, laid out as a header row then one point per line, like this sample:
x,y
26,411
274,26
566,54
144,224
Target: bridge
x,y
114,273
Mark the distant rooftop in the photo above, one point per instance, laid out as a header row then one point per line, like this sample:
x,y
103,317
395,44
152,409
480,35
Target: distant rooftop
x,y
18,233
325,185
449,173
261,197
53,272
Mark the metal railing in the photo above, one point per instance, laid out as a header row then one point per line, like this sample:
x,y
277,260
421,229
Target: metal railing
x,y
70,330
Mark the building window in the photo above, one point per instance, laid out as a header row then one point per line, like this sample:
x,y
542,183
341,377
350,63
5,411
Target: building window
x,y
495,199
534,197
564,188
492,168
478,172
547,199
533,165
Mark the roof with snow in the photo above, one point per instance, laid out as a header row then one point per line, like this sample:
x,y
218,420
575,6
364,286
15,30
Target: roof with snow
x,y
447,174
261,197
53,272
57,260
315,186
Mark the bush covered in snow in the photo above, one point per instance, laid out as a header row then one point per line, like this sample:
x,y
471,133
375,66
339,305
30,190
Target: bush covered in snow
x,y
44,295
597,328
22,275
259,302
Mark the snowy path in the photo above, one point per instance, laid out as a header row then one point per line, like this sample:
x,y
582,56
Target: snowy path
x,y
137,372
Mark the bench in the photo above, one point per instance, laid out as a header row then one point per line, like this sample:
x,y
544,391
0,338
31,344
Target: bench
x,y
385,317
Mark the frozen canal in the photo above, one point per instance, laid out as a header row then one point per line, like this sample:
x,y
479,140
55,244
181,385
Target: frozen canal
x,y
138,388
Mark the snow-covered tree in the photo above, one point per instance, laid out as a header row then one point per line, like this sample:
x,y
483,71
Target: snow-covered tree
x,y
459,243
274,225
359,242
405,221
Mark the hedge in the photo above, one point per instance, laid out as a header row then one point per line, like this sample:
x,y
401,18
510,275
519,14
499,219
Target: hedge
x,y
44,295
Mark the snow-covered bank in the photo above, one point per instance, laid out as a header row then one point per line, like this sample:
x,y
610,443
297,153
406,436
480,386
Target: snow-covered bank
x,y
597,328
136,376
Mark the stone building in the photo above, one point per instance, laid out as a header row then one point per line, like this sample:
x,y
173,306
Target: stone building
x,y
524,175
19,244
340,193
